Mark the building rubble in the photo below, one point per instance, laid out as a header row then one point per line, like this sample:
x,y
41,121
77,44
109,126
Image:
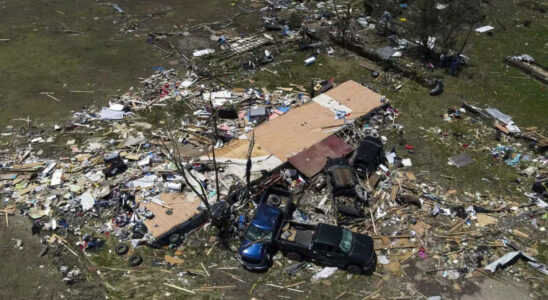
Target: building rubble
x,y
159,193
121,187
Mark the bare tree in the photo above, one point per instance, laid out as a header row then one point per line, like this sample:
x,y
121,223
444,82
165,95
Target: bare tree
x,y
214,135
175,157
343,20
249,165
446,22
458,15
425,21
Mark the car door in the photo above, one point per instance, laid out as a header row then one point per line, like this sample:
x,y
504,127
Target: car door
x,y
335,256
328,255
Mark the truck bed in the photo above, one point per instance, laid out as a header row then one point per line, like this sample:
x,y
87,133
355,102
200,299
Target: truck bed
x,y
297,233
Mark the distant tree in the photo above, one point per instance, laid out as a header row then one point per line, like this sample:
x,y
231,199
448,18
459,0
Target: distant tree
x,y
380,6
343,18
444,21
458,15
368,7
425,21
295,20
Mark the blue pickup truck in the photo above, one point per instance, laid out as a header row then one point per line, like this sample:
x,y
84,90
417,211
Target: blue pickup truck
x,y
257,246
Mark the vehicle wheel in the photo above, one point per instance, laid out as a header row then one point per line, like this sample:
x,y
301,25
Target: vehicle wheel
x,y
135,260
274,200
174,238
294,256
353,269
121,249
372,267
360,193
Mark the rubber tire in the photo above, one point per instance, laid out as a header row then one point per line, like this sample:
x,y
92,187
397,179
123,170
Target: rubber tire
x,y
121,249
175,238
360,193
373,266
274,200
354,269
135,260
294,256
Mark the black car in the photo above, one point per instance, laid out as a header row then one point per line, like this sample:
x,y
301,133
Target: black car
x,y
347,195
341,175
328,245
368,156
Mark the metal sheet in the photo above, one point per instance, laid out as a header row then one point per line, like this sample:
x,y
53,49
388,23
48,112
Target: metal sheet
x,y
311,161
461,160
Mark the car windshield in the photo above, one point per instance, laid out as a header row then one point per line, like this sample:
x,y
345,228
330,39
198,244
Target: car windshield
x,y
254,234
346,241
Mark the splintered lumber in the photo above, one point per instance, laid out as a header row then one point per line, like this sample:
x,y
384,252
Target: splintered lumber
x,y
180,288
211,288
388,242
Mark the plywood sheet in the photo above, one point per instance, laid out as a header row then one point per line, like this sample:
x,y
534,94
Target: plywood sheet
x,y
356,96
237,149
311,123
296,130
183,208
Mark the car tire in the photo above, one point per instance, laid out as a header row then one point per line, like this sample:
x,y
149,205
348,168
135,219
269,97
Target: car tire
x,y
137,235
354,269
274,200
135,260
371,269
360,193
294,256
174,238
121,249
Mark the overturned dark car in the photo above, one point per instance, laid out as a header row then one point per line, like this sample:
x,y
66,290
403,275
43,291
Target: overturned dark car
x,y
368,156
347,195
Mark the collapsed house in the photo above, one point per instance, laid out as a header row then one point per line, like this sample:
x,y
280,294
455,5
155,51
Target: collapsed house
x,y
308,132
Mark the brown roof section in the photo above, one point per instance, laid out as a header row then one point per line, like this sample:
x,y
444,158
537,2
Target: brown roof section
x,y
306,125
311,161
183,209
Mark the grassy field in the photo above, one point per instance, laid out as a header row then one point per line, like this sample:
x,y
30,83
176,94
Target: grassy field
x,y
63,46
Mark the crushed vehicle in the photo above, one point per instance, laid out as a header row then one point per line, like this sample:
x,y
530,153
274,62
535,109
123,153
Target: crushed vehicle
x,y
368,156
347,195
257,246
328,245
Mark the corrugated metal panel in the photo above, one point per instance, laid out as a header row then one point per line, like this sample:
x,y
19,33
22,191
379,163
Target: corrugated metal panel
x,y
311,161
